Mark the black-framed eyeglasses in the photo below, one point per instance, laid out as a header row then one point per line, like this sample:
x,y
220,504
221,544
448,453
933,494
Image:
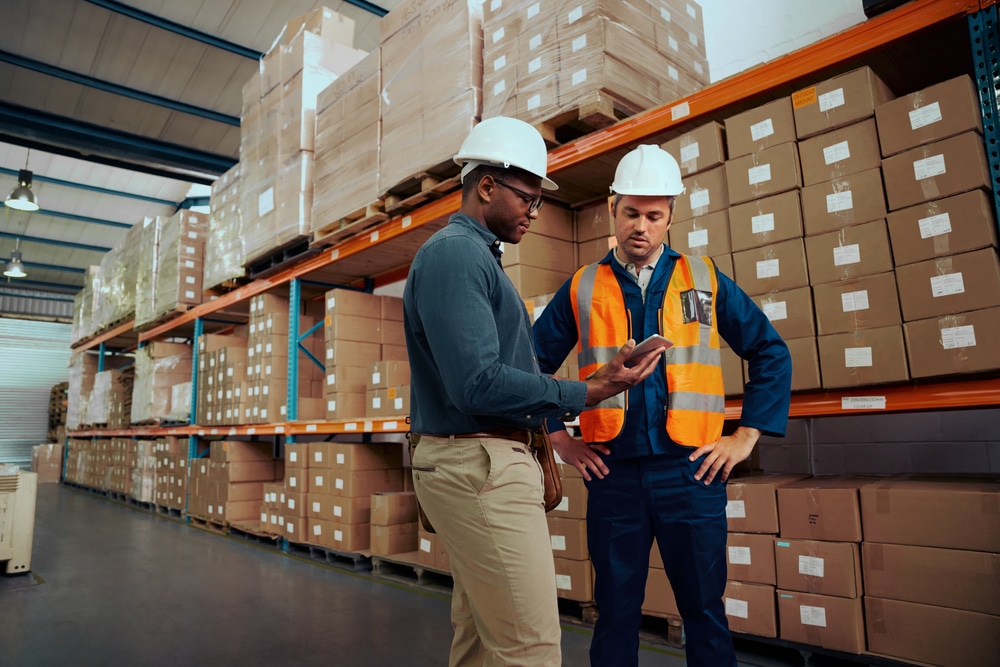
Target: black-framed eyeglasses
x,y
534,203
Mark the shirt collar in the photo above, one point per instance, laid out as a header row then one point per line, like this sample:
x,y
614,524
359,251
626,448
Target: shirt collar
x,y
470,223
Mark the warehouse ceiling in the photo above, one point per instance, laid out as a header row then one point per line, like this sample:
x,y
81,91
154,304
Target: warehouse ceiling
x,y
119,108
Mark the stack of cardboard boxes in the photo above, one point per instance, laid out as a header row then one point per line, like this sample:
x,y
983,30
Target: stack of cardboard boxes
x,y
546,257
568,531
82,369
121,460
144,472
171,485
394,524
171,265
222,379
388,392
162,388
225,253
47,462
229,485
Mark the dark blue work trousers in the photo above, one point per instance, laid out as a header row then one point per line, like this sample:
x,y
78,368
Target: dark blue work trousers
x,y
643,498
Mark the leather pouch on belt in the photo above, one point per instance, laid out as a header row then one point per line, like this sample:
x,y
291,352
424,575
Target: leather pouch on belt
x,y
553,493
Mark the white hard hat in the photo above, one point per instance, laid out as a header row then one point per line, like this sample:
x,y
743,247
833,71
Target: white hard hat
x,y
506,142
648,170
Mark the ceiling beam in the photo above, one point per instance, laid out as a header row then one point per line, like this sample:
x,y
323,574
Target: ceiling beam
x,y
55,242
116,89
130,150
53,267
369,7
18,294
90,188
83,218
177,28
41,283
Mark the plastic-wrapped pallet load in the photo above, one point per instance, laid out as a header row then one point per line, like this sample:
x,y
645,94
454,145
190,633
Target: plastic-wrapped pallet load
x,y
119,271
158,367
180,256
431,86
224,251
83,306
147,257
82,369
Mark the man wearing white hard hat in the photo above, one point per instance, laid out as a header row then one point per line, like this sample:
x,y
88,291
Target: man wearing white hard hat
x,y
655,460
477,397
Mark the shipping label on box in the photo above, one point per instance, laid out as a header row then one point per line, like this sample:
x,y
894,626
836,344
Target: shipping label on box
x,y
839,101
863,357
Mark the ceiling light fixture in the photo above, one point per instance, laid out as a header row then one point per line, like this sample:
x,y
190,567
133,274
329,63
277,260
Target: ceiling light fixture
x,y
15,269
21,197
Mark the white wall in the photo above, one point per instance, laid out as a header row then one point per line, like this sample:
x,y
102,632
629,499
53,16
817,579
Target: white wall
x,y
740,34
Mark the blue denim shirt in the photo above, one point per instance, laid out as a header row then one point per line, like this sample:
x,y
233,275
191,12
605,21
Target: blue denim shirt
x,y
741,324
468,336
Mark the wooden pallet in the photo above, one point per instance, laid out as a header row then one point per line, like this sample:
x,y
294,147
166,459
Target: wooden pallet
x,y
103,330
666,627
358,562
282,256
351,224
178,309
167,510
251,531
209,524
224,287
423,187
599,111
405,568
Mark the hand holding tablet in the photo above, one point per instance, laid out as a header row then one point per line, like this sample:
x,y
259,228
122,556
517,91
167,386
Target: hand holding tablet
x,y
654,342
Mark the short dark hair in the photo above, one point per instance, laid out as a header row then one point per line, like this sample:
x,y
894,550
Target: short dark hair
x,y
614,205
471,181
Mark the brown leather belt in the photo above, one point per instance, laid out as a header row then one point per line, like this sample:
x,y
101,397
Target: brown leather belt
x,y
518,435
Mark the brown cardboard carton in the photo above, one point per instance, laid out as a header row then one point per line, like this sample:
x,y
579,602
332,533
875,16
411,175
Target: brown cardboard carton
x,y
296,504
851,252
752,505
931,635
822,620
348,352
297,480
839,101
869,302
844,201
840,153
426,547
569,538
942,227
297,456
295,529
750,558
934,113
394,539
338,327
704,193
781,266
533,280
703,235
356,456
555,222
790,311
942,577
392,309
353,302
952,513
862,357
345,405
391,508
347,510
751,609
593,251
542,251
724,263
754,130
574,502
951,344
248,471
821,508
659,598
970,281
348,537
805,363
594,221
385,374
574,579
769,172
937,170
765,221
347,379
811,566
349,484
700,149
732,373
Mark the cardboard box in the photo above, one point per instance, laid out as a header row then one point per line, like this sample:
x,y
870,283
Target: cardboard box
x,y
822,620
862,357
350,484
569,538
426,547
574,502
847,200
781,266
762,222
348,352
347,510
541,251
750,558
555,222
593,251
724,263
805,363
338,327
297,480
295,529
769,172
931,635
952,513
593,222
346,456
296,504
574,579
394,401
852,252
754,130
942,227
703,235
811,566
248,471
297,456
751,609
345,405
533,280
397,538
346,379
352,302
869,302
699,149
821,508
659,600
937,170
839,153
385,374
953,344
391,508
790,311
942,577
752,505
732,373
946,285
839,101
347,537
704,193
934,113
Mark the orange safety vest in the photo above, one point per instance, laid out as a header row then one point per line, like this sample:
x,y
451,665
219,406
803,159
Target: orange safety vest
x,y
696,405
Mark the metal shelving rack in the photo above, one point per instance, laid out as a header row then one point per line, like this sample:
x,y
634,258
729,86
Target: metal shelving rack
x,y
342,263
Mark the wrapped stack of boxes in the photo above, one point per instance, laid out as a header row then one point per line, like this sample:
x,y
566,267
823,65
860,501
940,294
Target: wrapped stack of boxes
x,y
47,462
172,282
76,460
225,254
222,379
121,461
171,481
114,291
299,474
567,528
162,389
394,523
82,370
544,58
546,257
107,387
229,485
83,307
144,472
345,175
388,391
431,86
278,128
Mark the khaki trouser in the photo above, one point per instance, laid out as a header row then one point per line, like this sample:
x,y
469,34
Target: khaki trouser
x,y
484,499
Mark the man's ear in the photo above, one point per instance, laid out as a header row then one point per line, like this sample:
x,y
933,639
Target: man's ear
x,y
611,206
486,188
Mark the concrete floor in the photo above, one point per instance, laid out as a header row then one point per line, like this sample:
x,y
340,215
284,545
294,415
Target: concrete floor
x,y
112,585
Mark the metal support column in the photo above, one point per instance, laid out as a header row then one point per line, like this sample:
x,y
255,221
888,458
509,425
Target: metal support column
x,y
199,329
100,358
292,398
984,37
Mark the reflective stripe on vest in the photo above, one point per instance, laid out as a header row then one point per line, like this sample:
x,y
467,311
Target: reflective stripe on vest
x,y
696,397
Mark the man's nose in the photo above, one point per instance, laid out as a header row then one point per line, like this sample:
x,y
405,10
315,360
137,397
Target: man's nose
x,y
640,223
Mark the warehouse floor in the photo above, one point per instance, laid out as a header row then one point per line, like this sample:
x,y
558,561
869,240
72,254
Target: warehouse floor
x,y
112,585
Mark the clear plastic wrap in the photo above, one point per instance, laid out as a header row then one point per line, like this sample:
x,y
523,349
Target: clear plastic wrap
x,y
148,265
158,367
180,260
82,369
225,254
